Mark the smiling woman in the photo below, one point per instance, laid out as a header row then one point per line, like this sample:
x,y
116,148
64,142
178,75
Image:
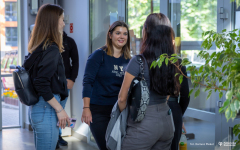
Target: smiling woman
x,y
103,78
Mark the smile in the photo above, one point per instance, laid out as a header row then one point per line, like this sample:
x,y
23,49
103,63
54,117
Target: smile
x,y
120,41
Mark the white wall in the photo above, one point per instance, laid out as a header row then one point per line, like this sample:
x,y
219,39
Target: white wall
x,y
78,12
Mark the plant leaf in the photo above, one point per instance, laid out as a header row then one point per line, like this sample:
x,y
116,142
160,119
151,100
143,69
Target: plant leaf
x,y
190,92
180,79
166,61
209,94
232,107
228,113
220,94
197,93
236,105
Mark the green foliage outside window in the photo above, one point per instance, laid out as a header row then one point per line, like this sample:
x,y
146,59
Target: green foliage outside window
x,y
197,16
138,10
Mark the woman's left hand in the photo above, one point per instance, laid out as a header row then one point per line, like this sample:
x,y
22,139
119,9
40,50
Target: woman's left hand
x,y
70,84
184,129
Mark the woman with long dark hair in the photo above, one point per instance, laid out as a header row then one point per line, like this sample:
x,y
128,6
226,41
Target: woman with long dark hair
x,y
48,76
156,130
178,107
103,78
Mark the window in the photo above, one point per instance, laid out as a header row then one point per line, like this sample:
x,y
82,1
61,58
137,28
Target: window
x,y
138,10
11,11
189,19
11,36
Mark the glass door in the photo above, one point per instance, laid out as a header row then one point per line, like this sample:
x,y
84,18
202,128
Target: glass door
x,y
189,18
102,14
137,12
9,57
225,136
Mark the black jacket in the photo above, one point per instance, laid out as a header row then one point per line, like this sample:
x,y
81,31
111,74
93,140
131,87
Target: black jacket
x,y
71,51
48,73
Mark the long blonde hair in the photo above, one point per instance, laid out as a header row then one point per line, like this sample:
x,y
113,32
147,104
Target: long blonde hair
x,y
46,28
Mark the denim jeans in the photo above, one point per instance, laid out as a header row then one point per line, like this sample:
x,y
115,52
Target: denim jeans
x,y
63,103
43,120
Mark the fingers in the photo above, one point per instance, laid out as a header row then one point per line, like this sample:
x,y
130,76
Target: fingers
x,y
68,121
184,129
87,120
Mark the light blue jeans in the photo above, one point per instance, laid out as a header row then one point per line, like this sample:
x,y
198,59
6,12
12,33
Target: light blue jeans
x,y
43,120
63,103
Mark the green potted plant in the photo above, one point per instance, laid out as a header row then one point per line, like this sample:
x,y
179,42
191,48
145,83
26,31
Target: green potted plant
x,y
221,71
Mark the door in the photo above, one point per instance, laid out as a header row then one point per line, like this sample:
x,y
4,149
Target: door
x,y
102,14
225,136
9,105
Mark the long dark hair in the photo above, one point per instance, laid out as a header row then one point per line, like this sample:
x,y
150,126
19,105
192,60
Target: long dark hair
x,y
109,47
157,40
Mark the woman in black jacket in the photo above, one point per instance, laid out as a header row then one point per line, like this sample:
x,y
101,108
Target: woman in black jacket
x,y
48,76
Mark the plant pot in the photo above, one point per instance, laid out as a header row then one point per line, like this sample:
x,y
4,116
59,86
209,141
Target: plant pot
x,y
11,101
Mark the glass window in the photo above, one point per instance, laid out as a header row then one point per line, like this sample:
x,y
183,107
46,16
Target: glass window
x,y
11,11
11,36
197,16
138,10
189,18
102,14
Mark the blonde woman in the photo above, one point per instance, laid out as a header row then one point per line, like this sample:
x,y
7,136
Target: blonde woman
x,y
48,76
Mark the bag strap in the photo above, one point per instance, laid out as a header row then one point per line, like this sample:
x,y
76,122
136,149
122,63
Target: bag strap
x,y
141,61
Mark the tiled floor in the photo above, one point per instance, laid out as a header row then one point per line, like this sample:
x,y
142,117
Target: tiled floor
x,y
22,139
10,115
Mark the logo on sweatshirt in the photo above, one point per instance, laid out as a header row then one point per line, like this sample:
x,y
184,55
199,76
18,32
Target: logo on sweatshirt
x,y
118,70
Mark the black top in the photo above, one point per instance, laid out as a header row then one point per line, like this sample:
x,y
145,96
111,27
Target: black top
x,y
103,78
48,72
70,52
184,92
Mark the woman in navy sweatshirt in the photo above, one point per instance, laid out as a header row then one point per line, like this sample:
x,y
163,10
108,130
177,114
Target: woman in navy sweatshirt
x,y
103,78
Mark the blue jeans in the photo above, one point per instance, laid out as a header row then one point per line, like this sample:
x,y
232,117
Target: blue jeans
x,y
43,120
63,103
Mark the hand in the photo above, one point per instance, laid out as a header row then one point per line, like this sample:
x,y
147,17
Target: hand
x,y
63,118
70,84
86,116
183,127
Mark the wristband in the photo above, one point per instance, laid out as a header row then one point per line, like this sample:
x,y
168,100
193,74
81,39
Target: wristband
x,y
86,107
58,111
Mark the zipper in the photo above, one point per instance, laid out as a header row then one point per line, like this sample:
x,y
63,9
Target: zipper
x,y
20,80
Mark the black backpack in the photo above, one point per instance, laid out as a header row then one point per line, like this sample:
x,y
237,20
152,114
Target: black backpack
x,y
24,87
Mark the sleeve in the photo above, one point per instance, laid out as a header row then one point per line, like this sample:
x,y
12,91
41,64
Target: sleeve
x,y
91,70
133,67
75,60
46,69
184,92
